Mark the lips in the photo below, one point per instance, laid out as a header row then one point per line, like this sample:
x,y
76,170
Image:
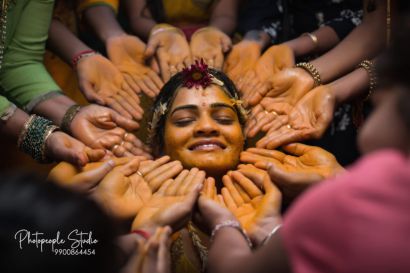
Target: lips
x,y
207,145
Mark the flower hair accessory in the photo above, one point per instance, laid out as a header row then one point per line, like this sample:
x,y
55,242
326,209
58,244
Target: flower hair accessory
x,y
197,75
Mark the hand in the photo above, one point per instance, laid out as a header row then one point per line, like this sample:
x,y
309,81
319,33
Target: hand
x,y
275,59
172,204
210,44
309,119
122,193
257,212
241,59
127,54
212,206
171,49
100,127
294,172
84,179
62,147
153,255
101,82
287,86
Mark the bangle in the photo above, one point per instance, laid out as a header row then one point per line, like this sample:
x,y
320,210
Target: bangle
x,y
308,67
267,238
164,27
313,37
32,139
232,224
369,67
50,129
68,117
142,233
80,55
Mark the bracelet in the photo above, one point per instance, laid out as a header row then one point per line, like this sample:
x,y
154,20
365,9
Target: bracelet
x,y
312,71
232,224
142,233
267,238
32,139
68,117
369,67
80,55
313,37
50,129
164,27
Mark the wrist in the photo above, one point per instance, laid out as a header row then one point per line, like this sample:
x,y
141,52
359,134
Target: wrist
x,y
160,28
69,117
260,232
81,55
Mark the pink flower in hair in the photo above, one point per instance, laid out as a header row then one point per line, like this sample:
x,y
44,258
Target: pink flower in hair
x,y
196,75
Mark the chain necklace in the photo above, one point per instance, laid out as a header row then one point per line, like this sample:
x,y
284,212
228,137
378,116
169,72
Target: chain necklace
x,y
5,4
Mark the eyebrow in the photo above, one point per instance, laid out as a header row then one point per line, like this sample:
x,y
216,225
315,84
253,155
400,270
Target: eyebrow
x,y
194,107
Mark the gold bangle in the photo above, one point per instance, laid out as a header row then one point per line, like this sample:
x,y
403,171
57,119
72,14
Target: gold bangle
x,y
164,27
313,37
369,67
308,67
69,116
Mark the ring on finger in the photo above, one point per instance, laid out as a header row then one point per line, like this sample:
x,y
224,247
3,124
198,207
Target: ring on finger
x,y
140,174
289,126
115,147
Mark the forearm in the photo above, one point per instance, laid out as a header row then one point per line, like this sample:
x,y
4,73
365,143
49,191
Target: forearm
x,y
141,25
63,42
304,45
103,22
14,125
225,24
364,42
54,109
224,16
351,86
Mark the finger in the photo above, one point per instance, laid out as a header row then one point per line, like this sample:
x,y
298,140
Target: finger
x,y
230,203
129,168
170,171
156,79
246,198
297,149
147,167
196,183
88,91
165,72
118,150
134,103
164,187
145,88
267,153
132,83
112,103
151,48
228,183
94,154
283,178
221,201
219,60
128,107
186,182
172,190
124,122
248,185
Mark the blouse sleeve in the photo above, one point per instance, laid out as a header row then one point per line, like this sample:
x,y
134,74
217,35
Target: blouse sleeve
x,y
24,79
85,4
346,22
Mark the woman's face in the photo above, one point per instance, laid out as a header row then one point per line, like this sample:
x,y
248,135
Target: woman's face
x,y
202,130
384,128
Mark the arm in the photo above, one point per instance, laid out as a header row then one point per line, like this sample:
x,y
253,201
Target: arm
x,y
224,15
141,24
364,42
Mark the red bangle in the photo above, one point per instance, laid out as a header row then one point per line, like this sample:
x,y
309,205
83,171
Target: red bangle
x,y
141,232
77,57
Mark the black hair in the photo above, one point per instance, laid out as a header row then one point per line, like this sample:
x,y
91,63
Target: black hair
x,y
393,67
167,95
28,202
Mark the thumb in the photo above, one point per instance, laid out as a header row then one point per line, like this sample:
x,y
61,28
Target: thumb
x,y
125,123
226,43
151,48
94,155
91,178
90,94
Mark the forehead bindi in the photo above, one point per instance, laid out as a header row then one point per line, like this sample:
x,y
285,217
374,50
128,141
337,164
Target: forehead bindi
x,y
201,97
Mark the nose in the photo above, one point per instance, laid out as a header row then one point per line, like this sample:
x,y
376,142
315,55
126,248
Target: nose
x,y
206,127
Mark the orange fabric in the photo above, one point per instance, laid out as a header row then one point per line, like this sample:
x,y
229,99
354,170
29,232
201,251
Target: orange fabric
x,y
84,4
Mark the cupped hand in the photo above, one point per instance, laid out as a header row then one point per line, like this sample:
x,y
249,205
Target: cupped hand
x,y
308,119
259,79
241,59
86,177
288,85
101,82
173,203
210,44
171,50
257,211
295,171
127,54
122,192
62,147
102,128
